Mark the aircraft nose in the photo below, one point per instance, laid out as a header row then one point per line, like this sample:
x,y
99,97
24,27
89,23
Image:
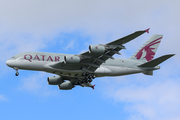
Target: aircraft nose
x,y
9,63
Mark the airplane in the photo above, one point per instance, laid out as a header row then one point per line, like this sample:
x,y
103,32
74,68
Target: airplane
x,y
81,69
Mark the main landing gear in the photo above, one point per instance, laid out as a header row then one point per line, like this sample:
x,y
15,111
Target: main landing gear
x,y
88,78
88,75
17,73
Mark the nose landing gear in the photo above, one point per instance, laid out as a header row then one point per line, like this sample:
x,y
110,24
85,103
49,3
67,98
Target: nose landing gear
x,y
17,73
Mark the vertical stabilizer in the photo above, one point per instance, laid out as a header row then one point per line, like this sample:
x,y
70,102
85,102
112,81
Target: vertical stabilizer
x,y
147,51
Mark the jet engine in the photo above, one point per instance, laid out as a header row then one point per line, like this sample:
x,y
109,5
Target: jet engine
x,y
67,85
55,80
98,49
72,59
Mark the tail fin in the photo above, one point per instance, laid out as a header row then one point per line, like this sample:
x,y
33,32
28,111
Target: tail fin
x,y
147,51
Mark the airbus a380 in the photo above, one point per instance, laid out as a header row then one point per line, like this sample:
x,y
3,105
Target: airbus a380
x,y
81,69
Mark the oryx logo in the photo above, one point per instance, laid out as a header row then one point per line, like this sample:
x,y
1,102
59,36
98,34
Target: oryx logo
x,y
147,51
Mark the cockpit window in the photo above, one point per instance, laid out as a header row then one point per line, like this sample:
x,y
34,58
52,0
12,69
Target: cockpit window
x,y
12,58
20,58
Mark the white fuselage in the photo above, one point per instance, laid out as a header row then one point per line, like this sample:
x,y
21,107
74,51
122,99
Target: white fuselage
x,y
40,61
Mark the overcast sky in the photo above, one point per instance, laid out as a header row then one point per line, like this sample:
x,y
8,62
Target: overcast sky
x,y
69,26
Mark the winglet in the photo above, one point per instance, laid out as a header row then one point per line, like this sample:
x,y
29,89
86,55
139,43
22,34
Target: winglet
x,y
147,30
93,87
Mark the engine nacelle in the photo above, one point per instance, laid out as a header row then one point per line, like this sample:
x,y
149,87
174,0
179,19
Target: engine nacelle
x,y
67,85
98,49
55,80
72,59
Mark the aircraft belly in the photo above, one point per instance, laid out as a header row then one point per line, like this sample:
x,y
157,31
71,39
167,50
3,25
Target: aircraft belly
x,y
102,71
27,65
118,71
36,65
64,72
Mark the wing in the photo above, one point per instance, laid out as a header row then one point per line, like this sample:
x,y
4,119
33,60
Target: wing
x,y
91,61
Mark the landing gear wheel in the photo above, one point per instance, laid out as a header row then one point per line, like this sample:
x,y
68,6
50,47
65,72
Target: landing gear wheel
x,y
93,77
86,81
77,83
86,74
90,80
89,77
17,74
83,74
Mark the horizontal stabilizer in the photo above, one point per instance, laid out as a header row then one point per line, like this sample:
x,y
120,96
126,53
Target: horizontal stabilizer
x,y
156,61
